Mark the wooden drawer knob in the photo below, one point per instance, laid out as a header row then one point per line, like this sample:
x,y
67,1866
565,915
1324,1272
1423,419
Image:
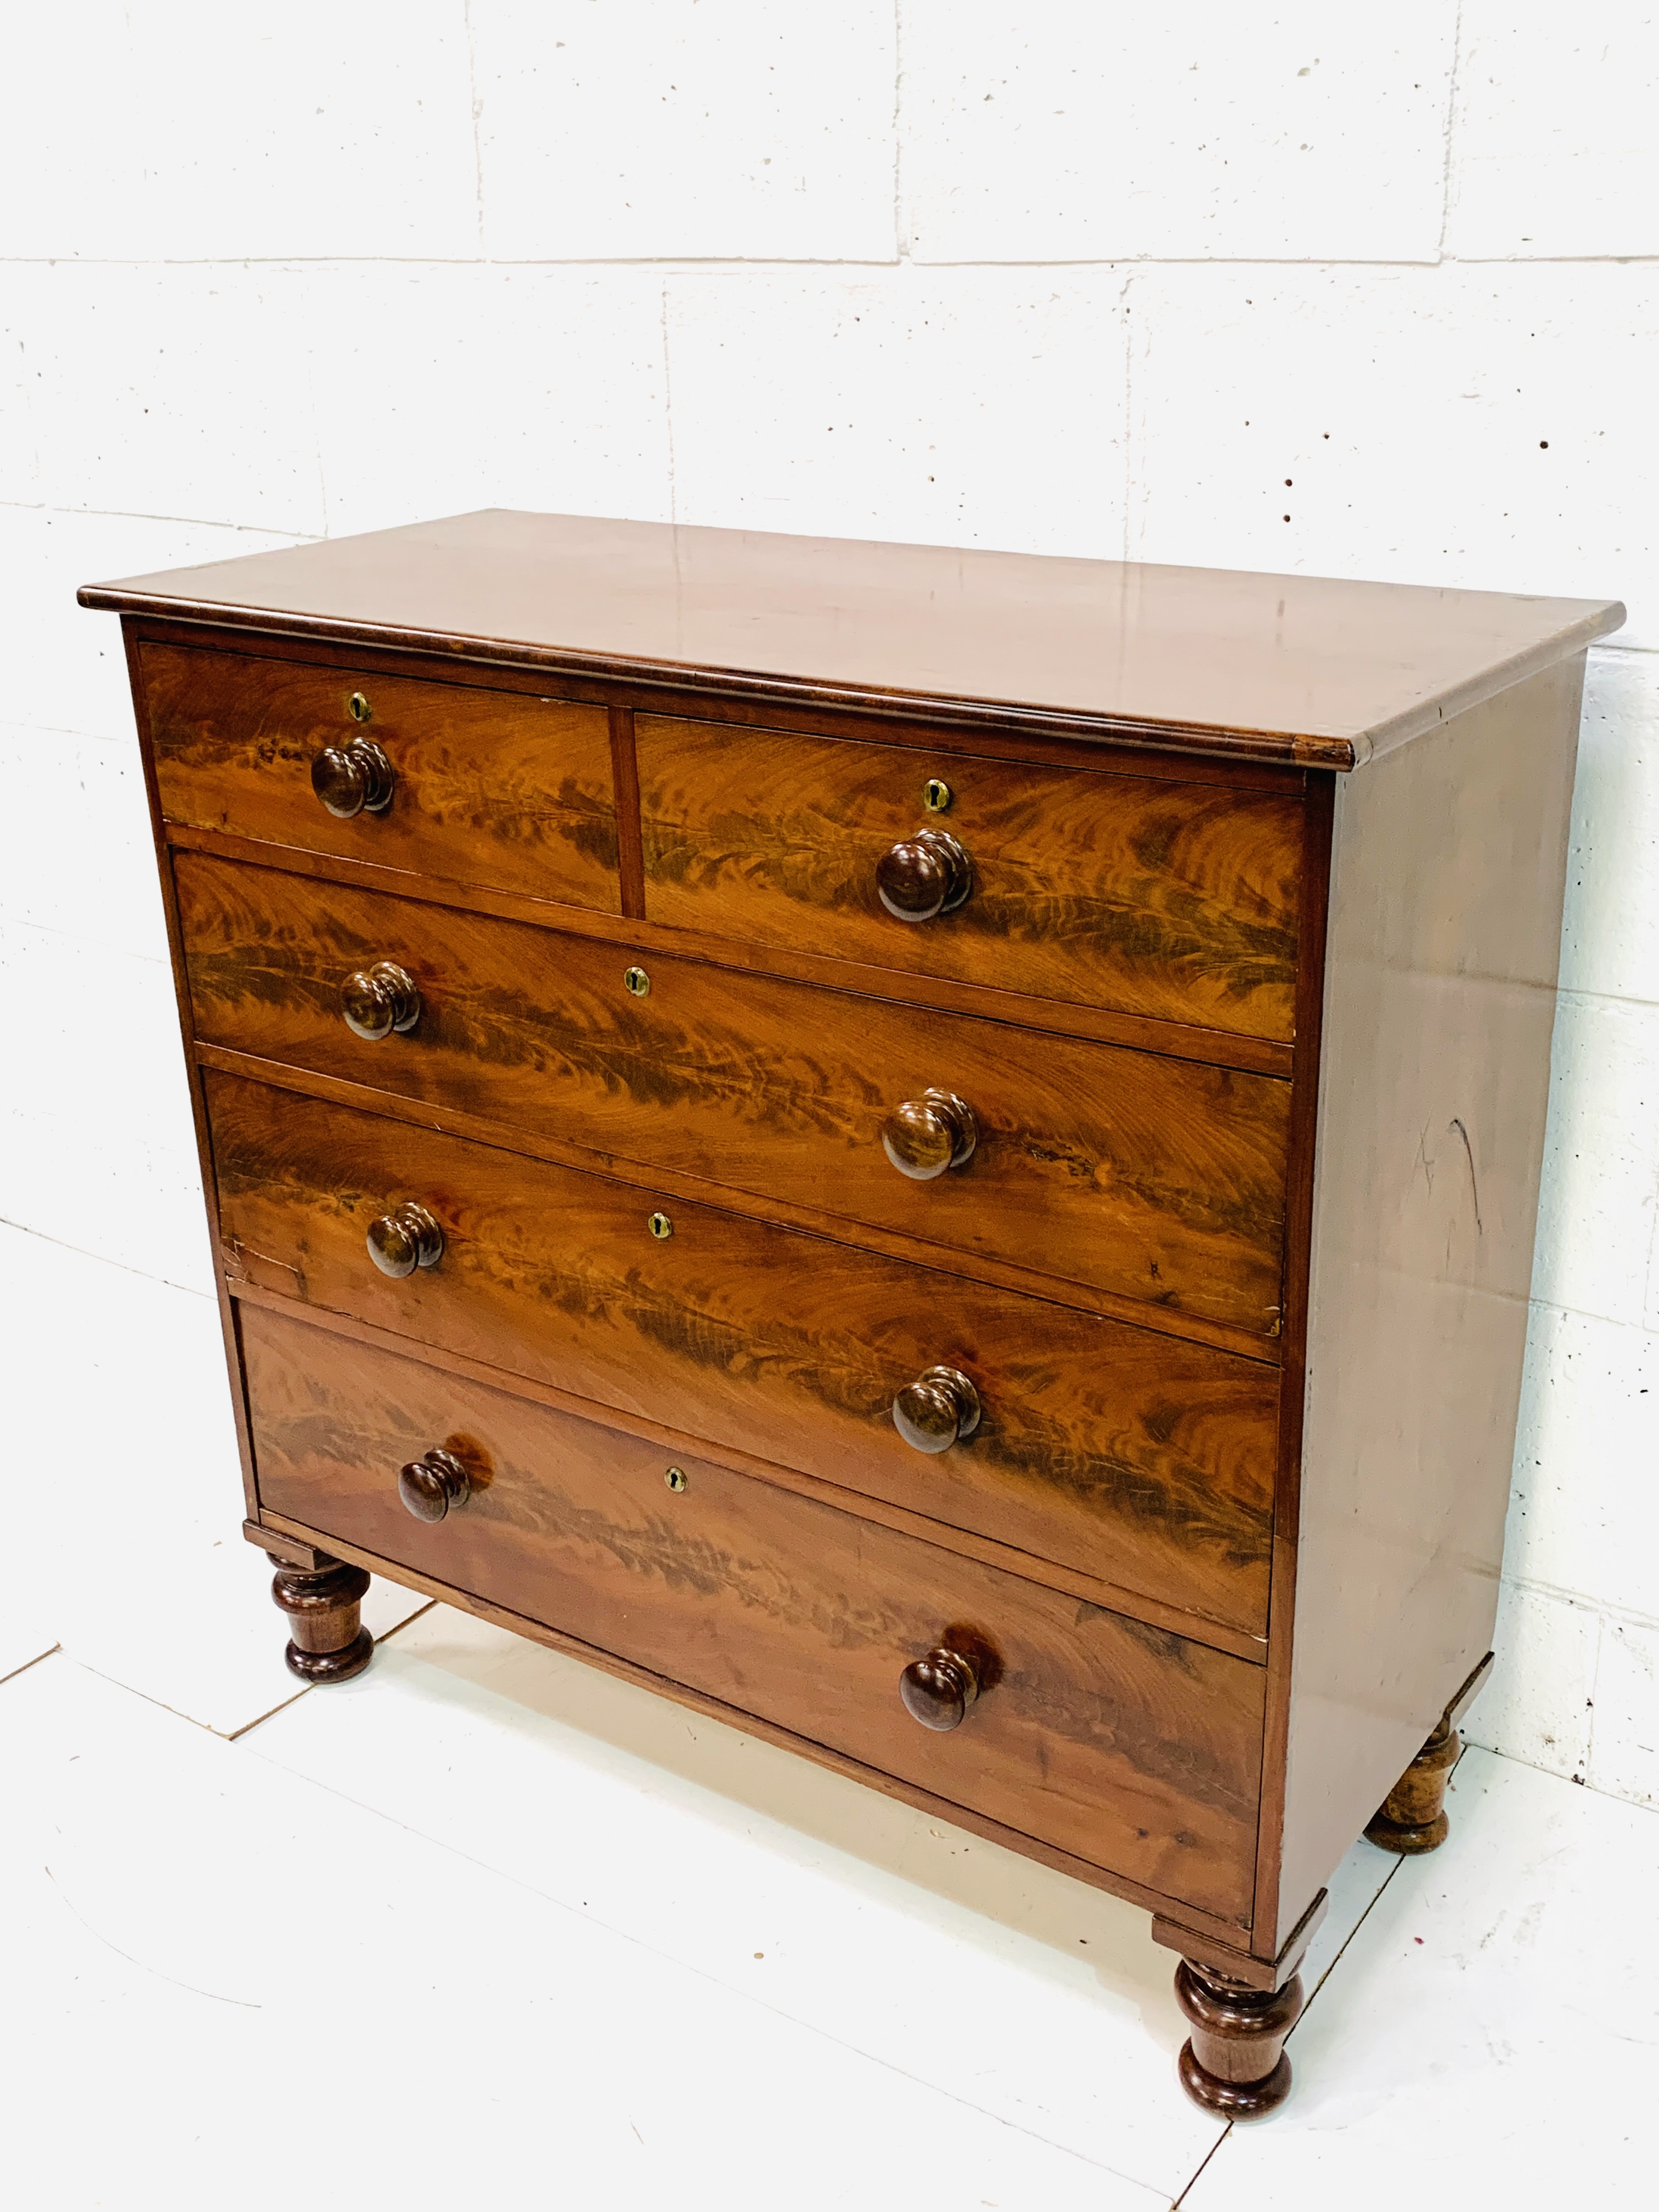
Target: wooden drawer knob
x,y
430,1486
377,1000
356,778
938,1689
936,1410
923,876
926,1135
405,1239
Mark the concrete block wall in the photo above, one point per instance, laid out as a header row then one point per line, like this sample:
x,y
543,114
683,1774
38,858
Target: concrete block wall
x,y
1369,295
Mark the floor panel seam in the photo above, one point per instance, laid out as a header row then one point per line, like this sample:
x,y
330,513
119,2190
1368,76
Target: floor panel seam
x,y
1179,2201
28,1663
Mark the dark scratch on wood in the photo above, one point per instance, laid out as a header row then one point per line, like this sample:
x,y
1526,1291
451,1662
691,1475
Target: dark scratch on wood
x,y
1479,1228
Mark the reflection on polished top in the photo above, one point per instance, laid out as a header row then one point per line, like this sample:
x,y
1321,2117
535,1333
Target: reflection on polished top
x,y
1317,670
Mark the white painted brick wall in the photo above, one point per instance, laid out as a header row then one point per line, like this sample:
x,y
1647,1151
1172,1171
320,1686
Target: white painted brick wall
x,y
730,130
1098,133
1077,279
964,405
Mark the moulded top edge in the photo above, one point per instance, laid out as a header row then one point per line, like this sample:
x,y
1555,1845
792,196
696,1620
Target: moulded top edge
x,y
1309,671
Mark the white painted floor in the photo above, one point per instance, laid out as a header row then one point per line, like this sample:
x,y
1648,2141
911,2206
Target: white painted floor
x,y
485,1927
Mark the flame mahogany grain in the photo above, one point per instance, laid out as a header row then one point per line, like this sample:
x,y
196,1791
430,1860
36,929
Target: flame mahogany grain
x,y
1122,1744
1173,900
1160,1181
492,787
1137,1459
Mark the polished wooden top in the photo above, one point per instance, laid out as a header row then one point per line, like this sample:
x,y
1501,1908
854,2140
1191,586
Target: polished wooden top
x,y
1305,669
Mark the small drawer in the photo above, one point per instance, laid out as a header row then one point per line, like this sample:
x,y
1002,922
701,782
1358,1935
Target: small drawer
x,y
1158,1180
498,788
1133,1750
1171,899
1132,1457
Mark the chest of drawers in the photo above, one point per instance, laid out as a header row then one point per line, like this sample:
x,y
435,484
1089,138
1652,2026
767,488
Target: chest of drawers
x,y
935,1153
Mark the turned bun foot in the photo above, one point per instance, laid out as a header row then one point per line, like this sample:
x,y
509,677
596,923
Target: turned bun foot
x,y
1234,2062
1411,1817
328,1641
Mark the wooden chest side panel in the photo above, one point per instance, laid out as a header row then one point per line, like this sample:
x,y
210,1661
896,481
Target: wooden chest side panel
x,y
1132,1457
1178,901
1124,1745
1447,882
493,787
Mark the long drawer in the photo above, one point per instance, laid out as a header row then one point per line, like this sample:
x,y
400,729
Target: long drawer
x,y
1154,1179
486,786
1133,1750
1157,896
1129,1455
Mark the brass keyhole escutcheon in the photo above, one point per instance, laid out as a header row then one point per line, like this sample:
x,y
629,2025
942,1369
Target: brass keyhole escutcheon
x,y
660,1224
636,981
936,796
675,1478
358,708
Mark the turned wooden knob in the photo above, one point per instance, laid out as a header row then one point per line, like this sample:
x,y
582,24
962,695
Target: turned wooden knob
x,y
938,1689
923,876
405,1239
926,1135
431,1485
936,1410
354,778
377,1000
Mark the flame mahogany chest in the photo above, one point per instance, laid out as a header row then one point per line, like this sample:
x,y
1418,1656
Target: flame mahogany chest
x,y
934,1153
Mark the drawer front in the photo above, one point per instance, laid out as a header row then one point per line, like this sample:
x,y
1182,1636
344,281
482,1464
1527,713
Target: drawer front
x,y
1127,1455
1155,1179
1135,1750
491,787
1170,899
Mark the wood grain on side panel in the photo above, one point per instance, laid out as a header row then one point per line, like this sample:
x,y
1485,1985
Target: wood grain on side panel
x,y
1177,901
494,787
1121,1743
1130,1456
1443,938
1159,1180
